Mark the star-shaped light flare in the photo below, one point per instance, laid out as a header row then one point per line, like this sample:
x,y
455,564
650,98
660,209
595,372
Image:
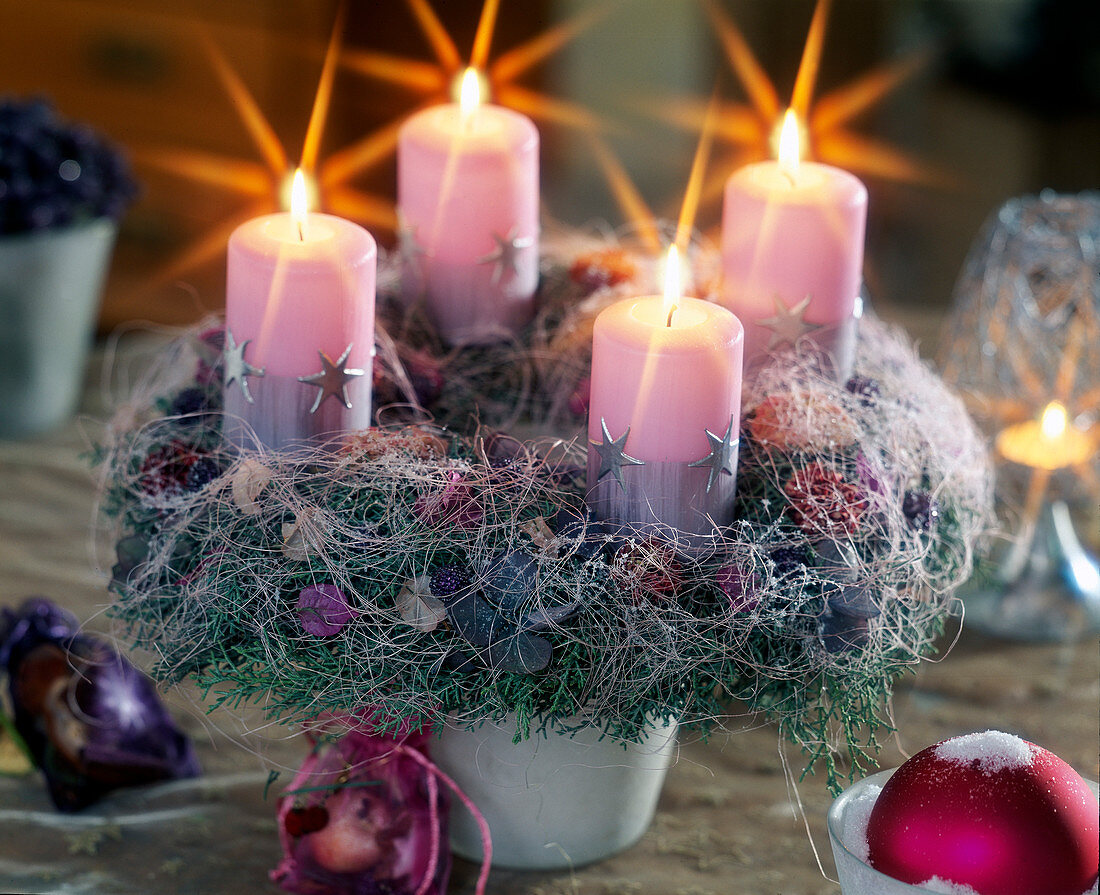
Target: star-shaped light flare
x,y
752,128
263,182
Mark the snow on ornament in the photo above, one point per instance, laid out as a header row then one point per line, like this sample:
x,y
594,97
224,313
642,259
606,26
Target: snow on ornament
x,y
991,812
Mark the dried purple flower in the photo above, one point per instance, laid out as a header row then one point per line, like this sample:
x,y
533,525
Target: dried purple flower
x,y
202,472
323,610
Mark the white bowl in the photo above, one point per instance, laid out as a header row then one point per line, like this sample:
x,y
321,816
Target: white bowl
x,y
857,877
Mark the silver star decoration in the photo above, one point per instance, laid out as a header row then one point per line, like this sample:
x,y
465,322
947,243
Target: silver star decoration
x,y
237,369
506,255
332,380
407,240
787,325
723,453
611,454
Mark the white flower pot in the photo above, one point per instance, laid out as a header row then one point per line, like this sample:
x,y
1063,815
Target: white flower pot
x,y
50,286
554,801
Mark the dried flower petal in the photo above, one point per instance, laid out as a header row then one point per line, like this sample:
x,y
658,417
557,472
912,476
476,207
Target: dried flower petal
x,y
323,610
307,534
741,586
647,569
417,607
247,482
541,536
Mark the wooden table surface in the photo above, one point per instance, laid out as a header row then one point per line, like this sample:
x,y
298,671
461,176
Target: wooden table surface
x,y
729,819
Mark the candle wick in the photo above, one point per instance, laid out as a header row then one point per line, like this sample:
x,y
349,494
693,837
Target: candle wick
x,y
301,233
671,311
790,176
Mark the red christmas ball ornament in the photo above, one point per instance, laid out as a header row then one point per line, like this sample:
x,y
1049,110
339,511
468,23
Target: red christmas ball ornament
x,y
990,811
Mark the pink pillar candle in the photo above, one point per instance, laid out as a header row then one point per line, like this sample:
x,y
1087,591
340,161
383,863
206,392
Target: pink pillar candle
x,y
468,200
664,414
792,256
300,329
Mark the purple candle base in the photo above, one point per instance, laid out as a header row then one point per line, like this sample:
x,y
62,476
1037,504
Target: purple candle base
x,y
663,499
280,416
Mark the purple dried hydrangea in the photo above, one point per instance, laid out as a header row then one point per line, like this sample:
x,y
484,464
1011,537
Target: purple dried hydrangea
x,y
365,816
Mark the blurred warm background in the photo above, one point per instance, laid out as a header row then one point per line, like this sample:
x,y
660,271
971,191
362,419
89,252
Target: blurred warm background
x,y
1006,101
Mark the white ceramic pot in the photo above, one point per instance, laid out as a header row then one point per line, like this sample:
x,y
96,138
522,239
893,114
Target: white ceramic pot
x,y
555,801
50,286
856,876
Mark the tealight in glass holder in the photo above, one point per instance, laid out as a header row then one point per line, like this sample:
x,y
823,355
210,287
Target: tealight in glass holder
x,y
1021,346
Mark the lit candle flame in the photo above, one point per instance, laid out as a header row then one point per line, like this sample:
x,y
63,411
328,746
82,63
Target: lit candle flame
x,y
469,94
674,286
1053,423
790,150
299,203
